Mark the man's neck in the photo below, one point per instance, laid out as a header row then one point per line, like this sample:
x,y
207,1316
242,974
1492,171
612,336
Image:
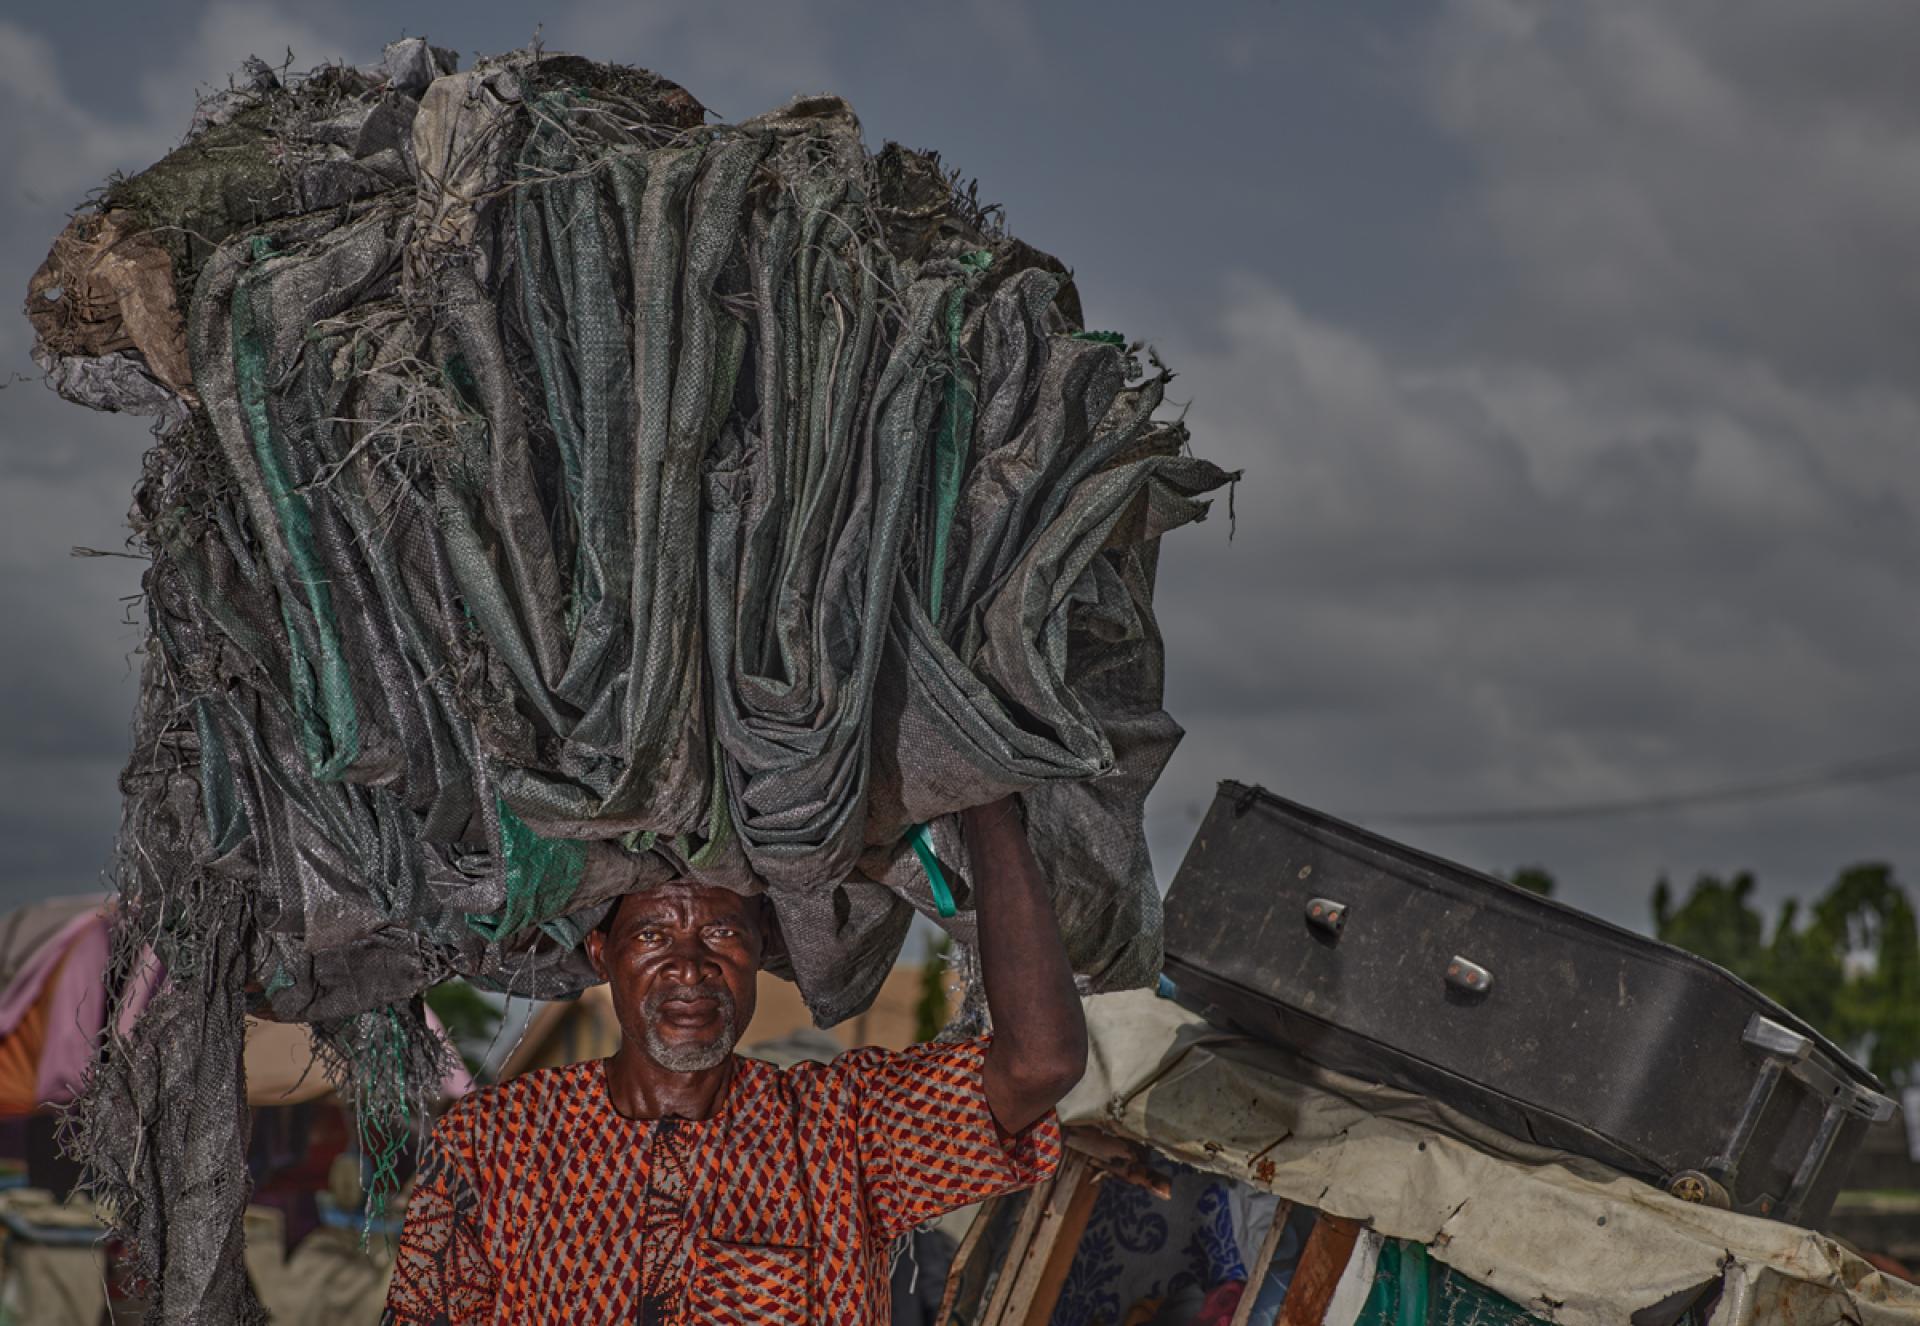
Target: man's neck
x,y
639,1088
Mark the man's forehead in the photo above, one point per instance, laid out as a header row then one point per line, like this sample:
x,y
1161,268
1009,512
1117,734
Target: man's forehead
x,y
681,897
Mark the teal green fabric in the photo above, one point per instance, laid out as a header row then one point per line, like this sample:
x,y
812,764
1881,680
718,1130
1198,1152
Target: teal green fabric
x,y
541,876
936,877
322,684
1411,1289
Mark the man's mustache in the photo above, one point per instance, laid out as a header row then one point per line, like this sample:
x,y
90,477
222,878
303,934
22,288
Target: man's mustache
x,y
690,994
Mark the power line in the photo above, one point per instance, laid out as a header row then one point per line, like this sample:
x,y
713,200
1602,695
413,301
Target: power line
x,y
1885,768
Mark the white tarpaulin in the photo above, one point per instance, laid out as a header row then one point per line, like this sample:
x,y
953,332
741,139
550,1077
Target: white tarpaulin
x,y
1571,1240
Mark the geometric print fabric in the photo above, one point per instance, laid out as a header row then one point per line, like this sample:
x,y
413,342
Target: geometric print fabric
x,y
538,1202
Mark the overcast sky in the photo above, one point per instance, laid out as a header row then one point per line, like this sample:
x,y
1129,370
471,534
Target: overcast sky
x,y
1570,352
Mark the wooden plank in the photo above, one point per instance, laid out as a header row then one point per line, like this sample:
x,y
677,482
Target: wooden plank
x,y
1028,1257
1322,1263
1066,1243
1257,1273
1019,1246
957,1273
1120,1159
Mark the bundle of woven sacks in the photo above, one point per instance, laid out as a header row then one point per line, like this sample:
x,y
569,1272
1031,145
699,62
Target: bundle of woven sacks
x,y
554,492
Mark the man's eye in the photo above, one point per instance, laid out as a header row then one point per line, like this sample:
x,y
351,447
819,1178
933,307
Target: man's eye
x,y
722,931
647,936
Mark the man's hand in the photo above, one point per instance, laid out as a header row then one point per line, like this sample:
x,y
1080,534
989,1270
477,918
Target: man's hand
x,y
1039,1046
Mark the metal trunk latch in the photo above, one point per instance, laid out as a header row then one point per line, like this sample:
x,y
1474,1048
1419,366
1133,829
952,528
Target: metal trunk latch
x,y
1465,974
1328,915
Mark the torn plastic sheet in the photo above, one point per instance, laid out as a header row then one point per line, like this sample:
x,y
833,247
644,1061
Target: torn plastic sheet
x,y
117,383
1564,1237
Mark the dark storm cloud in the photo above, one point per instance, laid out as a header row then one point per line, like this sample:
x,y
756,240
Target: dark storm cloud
x,y
1740,177
1568,350
1642,519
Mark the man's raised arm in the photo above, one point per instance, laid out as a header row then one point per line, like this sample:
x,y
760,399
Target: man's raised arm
x,y
1039,1032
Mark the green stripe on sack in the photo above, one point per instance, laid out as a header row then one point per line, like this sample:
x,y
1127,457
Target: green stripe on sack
x,y
541,874
322,687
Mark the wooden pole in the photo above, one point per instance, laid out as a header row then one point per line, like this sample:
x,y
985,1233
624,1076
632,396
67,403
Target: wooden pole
x,y
1065,1244
1032,1217
1029,1259
969,1248
1322,1263
1262,1260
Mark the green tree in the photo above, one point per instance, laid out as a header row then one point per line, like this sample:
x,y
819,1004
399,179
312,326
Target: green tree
x,y
1850,969
930,1010
1718,922
1868,921
471,1019
1534,880
1805,970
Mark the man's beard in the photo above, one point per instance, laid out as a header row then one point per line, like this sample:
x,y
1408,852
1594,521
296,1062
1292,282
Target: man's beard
x,y
683,1057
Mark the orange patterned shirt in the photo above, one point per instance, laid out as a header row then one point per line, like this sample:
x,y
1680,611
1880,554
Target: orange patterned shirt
x,y
538,1202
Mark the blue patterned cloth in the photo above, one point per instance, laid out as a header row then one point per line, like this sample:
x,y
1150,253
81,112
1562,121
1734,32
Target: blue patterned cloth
x,y
1138,1246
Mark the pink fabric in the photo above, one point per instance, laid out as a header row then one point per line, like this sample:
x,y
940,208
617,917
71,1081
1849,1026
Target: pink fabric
x,y
458,1081
75,1016
32,978
1220,1305
74,959
77,1013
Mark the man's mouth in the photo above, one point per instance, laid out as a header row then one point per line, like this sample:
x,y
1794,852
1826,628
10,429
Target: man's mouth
x,y
689,1028
692,1010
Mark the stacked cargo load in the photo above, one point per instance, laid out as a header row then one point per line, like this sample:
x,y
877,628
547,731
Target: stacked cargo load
x,y
553,493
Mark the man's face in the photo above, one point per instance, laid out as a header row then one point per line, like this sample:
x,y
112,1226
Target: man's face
x,y
682,961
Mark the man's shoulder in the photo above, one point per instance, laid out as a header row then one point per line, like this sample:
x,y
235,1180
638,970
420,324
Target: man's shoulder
x,y
815,1076
503,1106
815,1069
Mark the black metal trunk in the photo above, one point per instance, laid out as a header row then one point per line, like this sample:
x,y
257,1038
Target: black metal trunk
x,y
1390,964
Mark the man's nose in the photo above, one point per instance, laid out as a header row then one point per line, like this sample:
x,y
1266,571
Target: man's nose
x,y
691,962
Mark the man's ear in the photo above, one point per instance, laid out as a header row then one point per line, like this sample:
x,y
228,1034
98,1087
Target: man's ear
x,y
596,946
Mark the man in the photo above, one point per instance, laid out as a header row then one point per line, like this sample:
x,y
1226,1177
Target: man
x,y
676,1182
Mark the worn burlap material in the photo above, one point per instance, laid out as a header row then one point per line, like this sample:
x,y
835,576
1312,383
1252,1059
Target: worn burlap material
x,y
570,494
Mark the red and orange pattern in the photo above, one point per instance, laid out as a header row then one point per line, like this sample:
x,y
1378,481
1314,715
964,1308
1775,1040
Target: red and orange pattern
x,y
538,1202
